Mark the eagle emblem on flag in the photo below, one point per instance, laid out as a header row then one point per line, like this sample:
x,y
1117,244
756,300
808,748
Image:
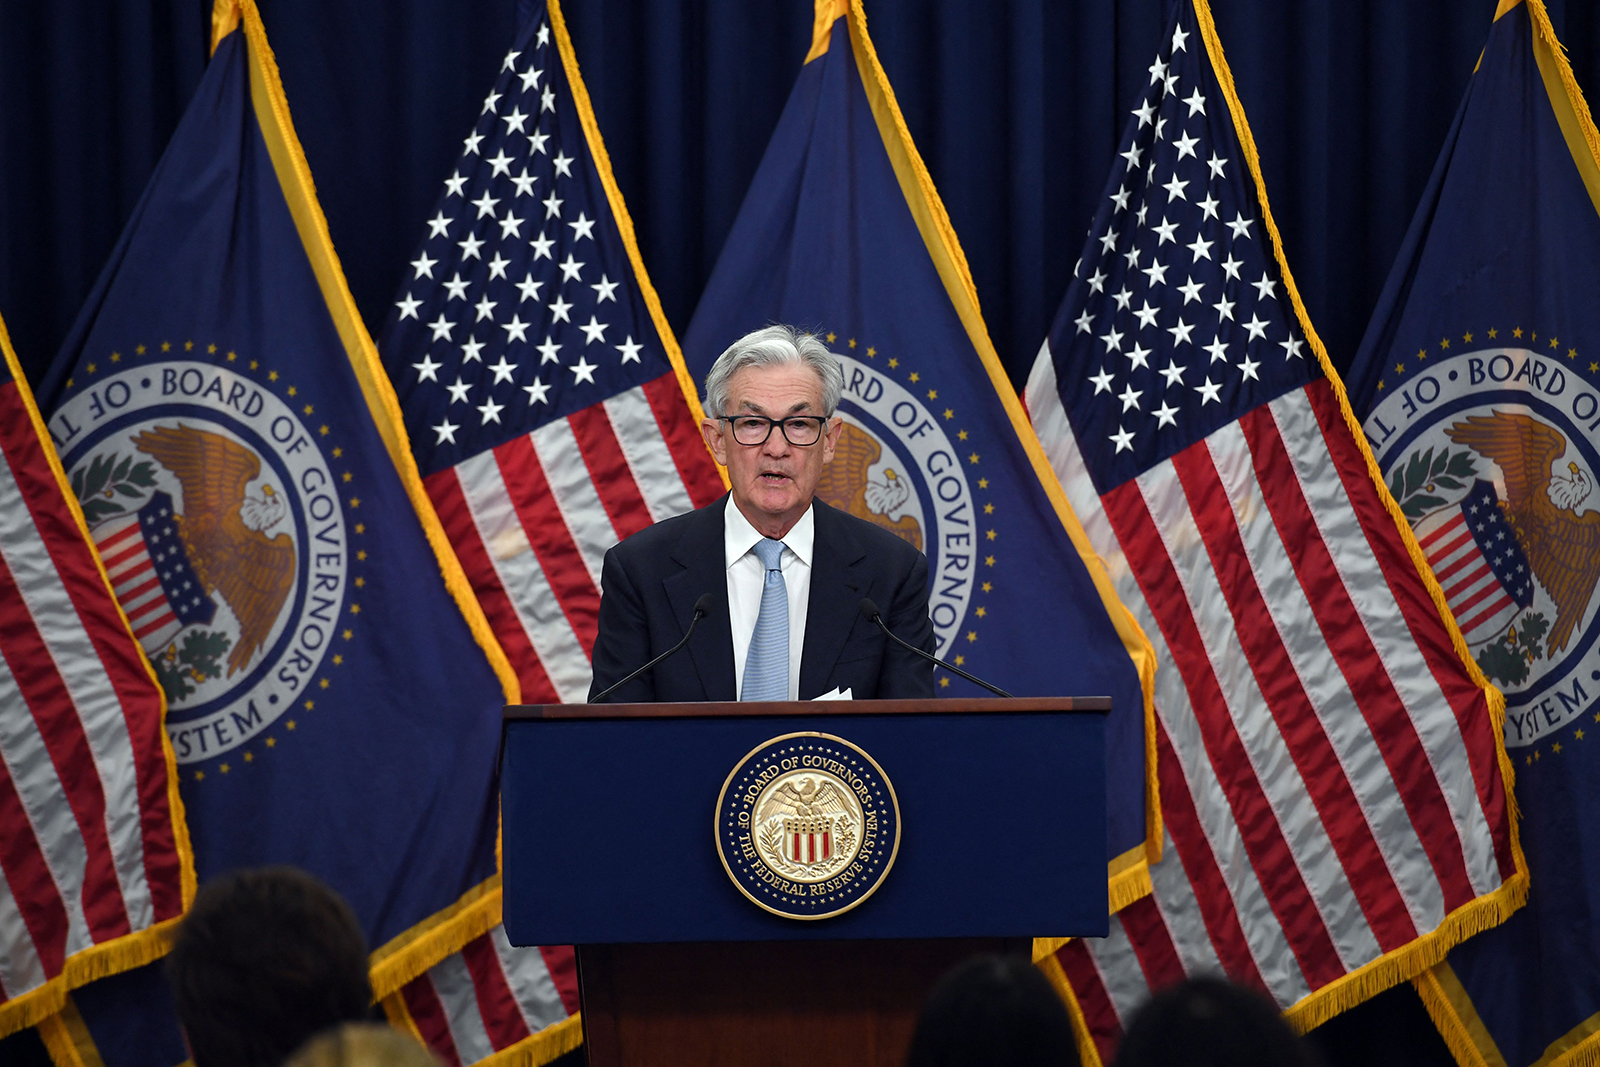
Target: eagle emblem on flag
x,y
223,529
220,521
848,484
1562,546
1490,455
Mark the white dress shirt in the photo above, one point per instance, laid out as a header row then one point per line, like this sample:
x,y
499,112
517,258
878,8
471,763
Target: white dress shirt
x,y
746,576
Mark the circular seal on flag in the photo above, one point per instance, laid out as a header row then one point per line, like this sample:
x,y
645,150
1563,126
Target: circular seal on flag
x,y
896,467
1492,455
807,825
218,518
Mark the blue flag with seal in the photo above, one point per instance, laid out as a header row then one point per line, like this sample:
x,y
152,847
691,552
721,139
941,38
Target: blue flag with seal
x,y
843,234
1479,387
334,692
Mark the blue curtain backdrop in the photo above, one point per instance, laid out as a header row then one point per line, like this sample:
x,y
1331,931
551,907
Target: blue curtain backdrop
x,y
1017,106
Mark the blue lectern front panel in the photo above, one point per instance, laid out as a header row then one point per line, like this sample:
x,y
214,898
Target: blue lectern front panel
x,y
609,835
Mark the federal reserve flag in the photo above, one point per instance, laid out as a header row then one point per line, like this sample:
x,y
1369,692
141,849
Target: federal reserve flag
x,y
842,233
1479,384
1331,776
333,690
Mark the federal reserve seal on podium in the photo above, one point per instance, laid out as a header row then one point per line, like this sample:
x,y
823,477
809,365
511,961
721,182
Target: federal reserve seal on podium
x,y
807,825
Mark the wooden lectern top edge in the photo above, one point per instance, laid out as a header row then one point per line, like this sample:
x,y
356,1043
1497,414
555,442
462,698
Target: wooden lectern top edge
x,y
755,709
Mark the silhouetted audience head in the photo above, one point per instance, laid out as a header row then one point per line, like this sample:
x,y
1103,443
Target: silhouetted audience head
x,y
993,1011
1210,1022
362,1045
265,959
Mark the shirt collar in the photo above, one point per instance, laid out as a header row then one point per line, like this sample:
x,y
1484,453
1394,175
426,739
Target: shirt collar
x,y
739,537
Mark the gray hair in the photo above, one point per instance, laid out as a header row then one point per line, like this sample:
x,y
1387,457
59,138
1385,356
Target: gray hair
x,y
773,346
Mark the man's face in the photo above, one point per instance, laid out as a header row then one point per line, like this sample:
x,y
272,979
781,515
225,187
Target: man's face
x,y
772,482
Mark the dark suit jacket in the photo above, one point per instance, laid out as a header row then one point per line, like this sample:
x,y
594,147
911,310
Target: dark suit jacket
x,y
650,583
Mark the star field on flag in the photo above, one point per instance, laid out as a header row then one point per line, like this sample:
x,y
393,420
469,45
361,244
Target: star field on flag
x,y
1184,321
516,311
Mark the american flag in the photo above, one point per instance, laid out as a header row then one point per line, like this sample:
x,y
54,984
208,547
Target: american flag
x,y
93,864
1332,779
535,374
491,998
541,390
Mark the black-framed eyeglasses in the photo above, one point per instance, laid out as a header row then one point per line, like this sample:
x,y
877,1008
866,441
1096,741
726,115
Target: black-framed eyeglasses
x,y
798,430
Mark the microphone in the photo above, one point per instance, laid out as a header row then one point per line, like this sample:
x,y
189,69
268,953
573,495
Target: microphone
x,y
870,610
702,608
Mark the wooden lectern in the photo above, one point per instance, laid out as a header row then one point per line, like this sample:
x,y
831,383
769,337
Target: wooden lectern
x,y
610,816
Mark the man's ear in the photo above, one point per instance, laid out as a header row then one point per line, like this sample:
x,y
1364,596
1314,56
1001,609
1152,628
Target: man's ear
x,y
830,438
711,430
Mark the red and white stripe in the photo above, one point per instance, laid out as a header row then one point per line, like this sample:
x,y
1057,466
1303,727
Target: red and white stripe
x,y
1328,769
87,848
1473,591
532,519
133,579
812,847
488,997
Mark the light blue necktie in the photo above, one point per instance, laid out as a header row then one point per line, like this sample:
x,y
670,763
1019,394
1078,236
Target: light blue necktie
x,y
766,668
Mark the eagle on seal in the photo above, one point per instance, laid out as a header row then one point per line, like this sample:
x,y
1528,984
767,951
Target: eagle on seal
x,y
844,485
805,801
223,529
1562,546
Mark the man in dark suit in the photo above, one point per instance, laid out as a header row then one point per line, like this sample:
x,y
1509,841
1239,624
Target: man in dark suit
x,y
786,573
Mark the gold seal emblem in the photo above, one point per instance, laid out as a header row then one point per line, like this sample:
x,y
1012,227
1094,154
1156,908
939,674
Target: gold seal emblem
x,y
807,825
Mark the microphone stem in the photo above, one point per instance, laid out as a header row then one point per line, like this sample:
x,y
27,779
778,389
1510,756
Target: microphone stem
x,y
996,690
699,613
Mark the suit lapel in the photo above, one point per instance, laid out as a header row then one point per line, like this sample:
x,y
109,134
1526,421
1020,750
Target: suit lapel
x,y
700,553
834,603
